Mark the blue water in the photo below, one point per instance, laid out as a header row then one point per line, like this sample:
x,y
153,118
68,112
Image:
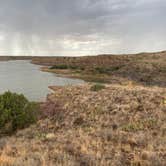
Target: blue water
x,y
26,78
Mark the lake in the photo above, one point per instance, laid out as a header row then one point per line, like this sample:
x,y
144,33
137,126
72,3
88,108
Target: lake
x,y
23,77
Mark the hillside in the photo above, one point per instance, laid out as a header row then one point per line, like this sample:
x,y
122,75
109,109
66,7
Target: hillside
x,y
117,126
143,68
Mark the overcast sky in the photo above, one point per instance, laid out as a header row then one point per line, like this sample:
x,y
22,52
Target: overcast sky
x,y
81,27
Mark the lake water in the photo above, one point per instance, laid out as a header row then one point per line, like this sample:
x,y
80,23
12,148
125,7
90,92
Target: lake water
x,y
26,78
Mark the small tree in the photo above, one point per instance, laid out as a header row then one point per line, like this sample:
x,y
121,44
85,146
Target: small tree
x,y
16,112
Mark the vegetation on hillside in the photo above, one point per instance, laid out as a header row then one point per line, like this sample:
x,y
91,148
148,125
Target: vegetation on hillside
x,y
63,66
144,68
117,126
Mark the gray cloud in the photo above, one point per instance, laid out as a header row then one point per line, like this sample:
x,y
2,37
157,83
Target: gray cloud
x,y
77,27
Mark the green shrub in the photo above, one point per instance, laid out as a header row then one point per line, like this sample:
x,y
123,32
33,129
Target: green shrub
x,y
97,87
63,66
104,70
16,112
59,67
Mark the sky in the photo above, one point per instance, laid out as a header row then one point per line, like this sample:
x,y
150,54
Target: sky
x,y
81,27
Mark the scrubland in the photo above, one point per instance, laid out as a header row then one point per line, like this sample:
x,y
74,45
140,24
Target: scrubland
x,y
118,121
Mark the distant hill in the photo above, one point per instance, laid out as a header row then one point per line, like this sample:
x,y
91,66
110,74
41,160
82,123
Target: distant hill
x,y
6,58
144,68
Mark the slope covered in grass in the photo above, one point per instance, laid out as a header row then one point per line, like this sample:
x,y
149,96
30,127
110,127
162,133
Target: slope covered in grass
x,y
118,125
143,68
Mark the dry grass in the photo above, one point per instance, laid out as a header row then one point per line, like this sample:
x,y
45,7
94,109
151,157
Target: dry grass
x,y
120,125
